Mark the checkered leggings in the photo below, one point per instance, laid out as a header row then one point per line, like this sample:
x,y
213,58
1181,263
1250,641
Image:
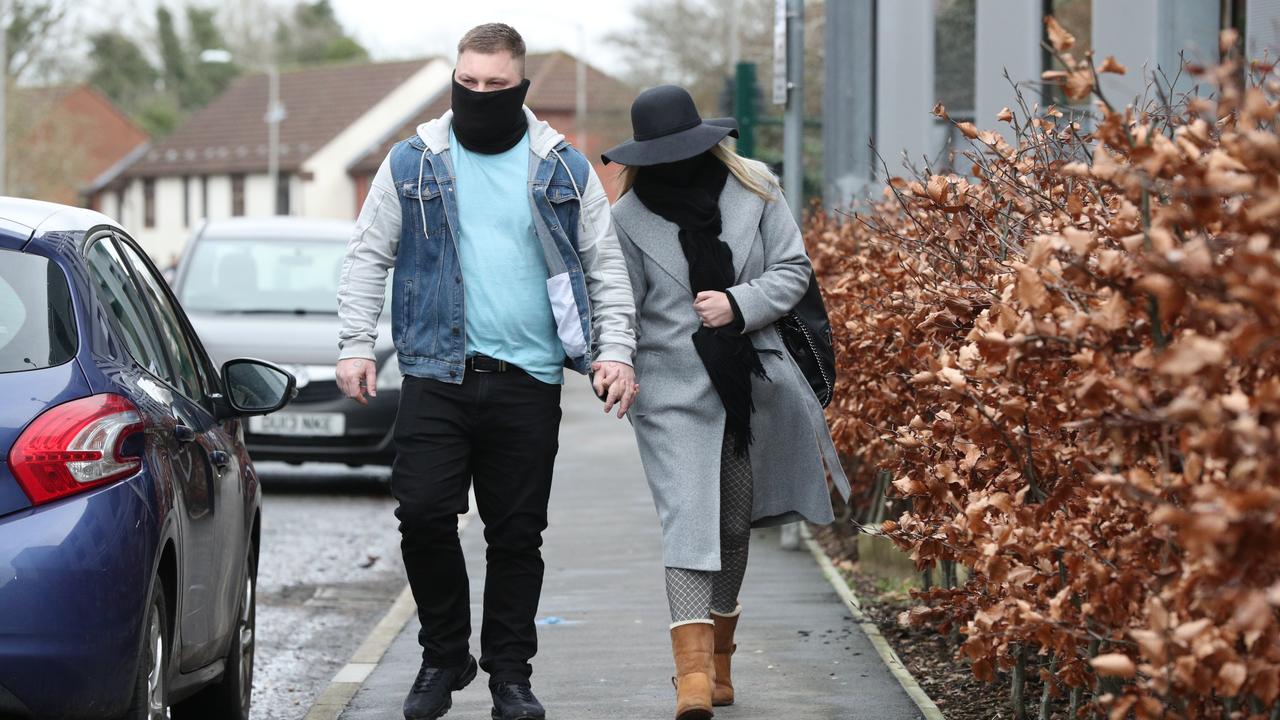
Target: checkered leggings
x,y
694,594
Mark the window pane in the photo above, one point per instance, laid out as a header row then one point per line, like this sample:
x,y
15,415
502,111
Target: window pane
x,y
149,202
237,195
117,293
263,275
282,194
37,324
188,380
955,54
1076,17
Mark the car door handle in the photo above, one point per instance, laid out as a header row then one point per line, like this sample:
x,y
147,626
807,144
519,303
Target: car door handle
x,y
184,433
219,459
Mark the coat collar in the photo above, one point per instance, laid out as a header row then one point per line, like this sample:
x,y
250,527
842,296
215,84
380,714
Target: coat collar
x,y
740,211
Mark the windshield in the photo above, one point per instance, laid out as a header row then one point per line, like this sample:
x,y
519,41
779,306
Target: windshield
x,y
264,276
37,324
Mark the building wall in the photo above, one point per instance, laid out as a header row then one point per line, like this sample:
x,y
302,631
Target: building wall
x,y
331,192
219,197
1141,34
1262,24
1008,39
109,136
259,196
904,81
1127,30
170,234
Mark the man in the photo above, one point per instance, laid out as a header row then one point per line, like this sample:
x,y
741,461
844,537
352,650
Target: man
x,y
507,269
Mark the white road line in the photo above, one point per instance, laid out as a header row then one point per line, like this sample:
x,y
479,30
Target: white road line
x,y
908,682
335,698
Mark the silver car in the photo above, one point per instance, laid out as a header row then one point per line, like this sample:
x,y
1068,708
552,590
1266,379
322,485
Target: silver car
x,y
267,288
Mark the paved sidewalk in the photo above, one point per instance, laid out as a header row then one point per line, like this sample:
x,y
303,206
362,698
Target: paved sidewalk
x,y
606,652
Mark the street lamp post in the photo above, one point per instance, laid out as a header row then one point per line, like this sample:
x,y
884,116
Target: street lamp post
x,y
4,92
793,130
581,78
274,116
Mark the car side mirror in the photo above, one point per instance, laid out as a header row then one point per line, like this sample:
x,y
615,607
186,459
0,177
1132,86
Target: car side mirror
x,y
257,387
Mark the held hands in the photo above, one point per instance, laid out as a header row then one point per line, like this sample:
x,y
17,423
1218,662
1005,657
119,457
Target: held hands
x,y
713,308
356,376
615,382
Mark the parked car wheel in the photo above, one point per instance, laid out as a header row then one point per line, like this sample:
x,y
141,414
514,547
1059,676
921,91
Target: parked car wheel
x,y
231,698
149,692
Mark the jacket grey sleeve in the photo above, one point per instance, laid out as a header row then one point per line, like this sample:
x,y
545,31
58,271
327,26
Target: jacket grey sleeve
x,y
371,252
635,271
786,269
608,285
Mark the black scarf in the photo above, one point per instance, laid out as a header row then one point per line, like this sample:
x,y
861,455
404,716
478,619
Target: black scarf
x,y
687,193
489,122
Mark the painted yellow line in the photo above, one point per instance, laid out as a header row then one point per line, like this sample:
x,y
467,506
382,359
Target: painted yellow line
x,y
917,694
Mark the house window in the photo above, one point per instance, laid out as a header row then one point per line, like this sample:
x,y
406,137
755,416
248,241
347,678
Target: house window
x,y
1233,15
186,201
955,42
120,204
282,194
1076,17
149,202
204,196
954,83
237,195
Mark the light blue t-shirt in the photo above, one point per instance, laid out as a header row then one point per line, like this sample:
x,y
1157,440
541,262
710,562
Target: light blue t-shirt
x,y
504,271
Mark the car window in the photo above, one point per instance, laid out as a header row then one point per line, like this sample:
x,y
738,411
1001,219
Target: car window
x,y
188,378
117,292
37,322
264,275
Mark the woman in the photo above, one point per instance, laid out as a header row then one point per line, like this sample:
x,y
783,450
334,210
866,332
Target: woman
x,y
730,433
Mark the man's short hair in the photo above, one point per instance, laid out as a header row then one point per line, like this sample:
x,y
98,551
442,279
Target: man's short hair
x,y
493,38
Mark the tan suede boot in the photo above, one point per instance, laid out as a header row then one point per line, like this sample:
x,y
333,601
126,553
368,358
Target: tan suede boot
x,y
725,626
692,645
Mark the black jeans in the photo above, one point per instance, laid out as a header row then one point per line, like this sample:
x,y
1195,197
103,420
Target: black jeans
x,y
502,430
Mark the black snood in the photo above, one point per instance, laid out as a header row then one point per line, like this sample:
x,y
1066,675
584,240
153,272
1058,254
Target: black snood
x,y
489,122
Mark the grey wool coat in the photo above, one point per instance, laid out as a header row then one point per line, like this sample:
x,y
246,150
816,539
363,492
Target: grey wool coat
x,y
678,417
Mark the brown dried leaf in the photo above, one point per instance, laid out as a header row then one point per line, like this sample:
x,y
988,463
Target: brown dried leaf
x,y
1114,665
1059,38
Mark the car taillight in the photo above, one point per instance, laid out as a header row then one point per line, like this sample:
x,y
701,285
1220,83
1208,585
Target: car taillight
x,y
75,446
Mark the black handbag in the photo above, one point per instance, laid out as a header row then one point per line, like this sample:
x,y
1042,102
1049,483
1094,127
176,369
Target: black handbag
x,y
806,332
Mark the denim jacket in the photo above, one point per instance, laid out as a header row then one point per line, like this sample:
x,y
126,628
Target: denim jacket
x,y
409,222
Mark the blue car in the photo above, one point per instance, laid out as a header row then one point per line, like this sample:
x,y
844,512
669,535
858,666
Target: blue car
x,y
129,508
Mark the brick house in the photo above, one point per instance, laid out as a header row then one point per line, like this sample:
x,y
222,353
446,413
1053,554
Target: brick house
x,y
215,164
63,138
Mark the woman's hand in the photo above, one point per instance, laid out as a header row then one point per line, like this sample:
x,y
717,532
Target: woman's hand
x,y
713,308
615,384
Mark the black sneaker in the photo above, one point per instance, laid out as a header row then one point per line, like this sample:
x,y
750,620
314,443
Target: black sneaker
x,y
515,701
431,695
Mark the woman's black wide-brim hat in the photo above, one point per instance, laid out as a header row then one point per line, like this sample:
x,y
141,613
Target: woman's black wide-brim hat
x,y
666,128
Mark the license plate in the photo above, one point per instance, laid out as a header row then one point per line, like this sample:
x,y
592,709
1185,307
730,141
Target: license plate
x,y
309,424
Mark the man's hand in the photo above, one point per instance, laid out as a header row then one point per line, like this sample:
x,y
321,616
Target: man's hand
x,y
713,308
356,376
615,382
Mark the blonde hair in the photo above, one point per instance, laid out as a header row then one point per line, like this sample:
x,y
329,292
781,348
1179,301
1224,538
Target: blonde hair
x,y
753,178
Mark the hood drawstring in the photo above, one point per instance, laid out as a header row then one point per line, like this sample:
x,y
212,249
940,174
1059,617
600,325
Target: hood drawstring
x,y
422,206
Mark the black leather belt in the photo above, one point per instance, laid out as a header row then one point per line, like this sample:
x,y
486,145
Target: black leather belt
x,y
486,364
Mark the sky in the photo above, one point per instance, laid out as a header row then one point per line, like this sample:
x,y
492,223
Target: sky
x,y
410,28
400,29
